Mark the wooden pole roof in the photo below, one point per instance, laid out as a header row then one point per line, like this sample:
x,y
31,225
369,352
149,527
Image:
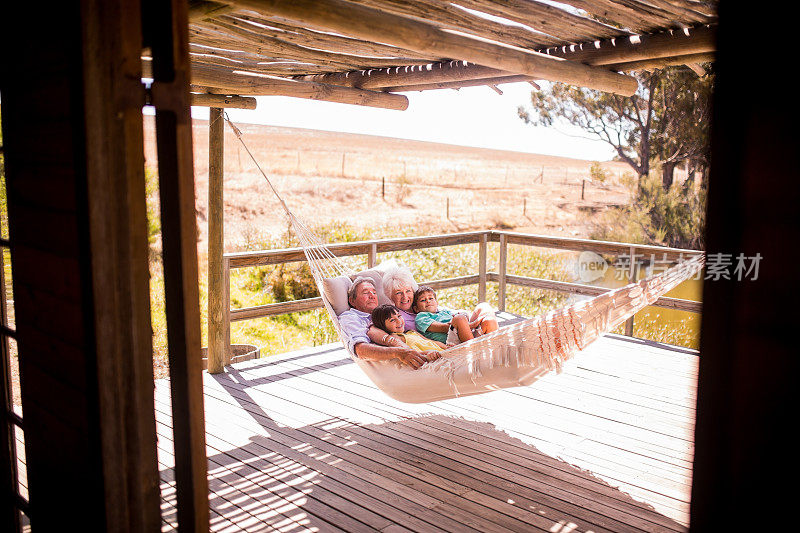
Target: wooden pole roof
x,y
362,51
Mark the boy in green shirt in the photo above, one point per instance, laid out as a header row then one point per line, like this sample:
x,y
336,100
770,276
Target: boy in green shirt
x,y
450,326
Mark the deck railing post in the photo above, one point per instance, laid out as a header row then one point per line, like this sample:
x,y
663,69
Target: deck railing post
x,y
631,279
372,257
226,307
501,289
482,248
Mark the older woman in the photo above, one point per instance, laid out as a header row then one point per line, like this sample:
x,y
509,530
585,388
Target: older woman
x,y
399,286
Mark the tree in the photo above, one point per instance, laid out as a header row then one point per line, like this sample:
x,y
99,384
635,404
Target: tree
x,y
624,123
682,108
665,120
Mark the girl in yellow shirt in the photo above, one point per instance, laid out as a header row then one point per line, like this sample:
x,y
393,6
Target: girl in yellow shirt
x,y
388,318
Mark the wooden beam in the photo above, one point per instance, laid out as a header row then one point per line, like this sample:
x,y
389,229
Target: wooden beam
x,y
440,75
217,350
347,45
371,24
460,84
662,62
245,36
117,229
700,40
219,80
412,75
165,27
206,10
220,101
546,18
450,17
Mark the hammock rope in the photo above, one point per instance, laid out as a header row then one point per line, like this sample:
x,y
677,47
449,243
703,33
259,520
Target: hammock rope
x,y
514,355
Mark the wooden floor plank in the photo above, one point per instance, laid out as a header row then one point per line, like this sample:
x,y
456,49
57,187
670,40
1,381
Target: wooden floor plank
x,y
557,425
303,441
298,447
657,492
251,476
231,506
411,475
306,391
438,500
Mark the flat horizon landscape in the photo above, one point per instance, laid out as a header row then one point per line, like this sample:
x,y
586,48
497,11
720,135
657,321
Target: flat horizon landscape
x,y
369,182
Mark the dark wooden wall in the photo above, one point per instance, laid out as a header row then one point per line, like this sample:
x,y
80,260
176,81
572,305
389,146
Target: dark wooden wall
x,y
71,113
746,452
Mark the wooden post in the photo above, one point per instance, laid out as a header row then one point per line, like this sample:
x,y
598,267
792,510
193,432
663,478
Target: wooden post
x,y
524,207
501,288
631,279
85,357
166,29
583,188
448,208
372,257
383,188
226,307
482,245
217,350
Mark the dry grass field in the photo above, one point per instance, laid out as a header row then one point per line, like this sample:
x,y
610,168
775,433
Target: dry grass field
x,y
368,181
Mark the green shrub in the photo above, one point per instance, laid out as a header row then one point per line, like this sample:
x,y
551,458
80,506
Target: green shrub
x,y
674,218
292,281
597,172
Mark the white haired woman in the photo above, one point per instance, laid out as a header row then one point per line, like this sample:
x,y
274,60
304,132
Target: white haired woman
x,y
399,286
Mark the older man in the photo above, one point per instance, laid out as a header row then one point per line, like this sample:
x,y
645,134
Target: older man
x,y
355,322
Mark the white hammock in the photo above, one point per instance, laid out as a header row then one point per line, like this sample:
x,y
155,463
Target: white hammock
x,y
512,356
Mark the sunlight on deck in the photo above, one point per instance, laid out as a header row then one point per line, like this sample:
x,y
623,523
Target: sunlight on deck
x,y
304,442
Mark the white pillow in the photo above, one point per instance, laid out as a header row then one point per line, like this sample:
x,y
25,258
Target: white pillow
x,y
335,290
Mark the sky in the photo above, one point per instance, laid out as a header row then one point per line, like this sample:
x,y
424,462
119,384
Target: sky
x,y
471,116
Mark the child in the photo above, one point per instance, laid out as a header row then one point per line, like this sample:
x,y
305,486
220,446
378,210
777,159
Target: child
x,y
388,318
448,326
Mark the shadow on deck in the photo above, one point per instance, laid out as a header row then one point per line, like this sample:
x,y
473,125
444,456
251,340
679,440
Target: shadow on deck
x,y
302,441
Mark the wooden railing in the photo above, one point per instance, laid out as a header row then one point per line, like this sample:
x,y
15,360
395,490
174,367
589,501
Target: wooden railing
x,y
372,248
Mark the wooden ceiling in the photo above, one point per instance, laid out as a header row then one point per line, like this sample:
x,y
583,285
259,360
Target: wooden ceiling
x,y
366,51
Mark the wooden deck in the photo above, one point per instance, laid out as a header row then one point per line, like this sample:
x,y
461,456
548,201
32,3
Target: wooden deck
x,y
303,441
